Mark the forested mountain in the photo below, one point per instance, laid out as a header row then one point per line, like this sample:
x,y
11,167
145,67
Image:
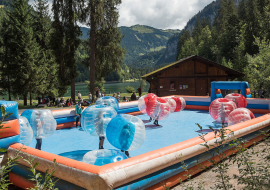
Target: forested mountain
x,y
139,40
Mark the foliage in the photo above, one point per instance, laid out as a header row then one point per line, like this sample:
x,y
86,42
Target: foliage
x,y
130,89
259,66
22,69
143,85
98,84
46,181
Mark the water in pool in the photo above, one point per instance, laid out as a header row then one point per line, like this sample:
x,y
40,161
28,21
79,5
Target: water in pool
x,y
178,127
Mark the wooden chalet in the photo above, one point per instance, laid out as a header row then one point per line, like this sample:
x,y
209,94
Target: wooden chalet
x,y
189,76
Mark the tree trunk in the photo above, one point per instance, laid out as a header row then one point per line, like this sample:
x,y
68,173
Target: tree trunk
x,y
25,99
93,51
9,95
31,98
73,89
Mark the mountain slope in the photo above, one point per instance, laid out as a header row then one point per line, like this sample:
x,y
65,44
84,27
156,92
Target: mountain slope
x,y
139,40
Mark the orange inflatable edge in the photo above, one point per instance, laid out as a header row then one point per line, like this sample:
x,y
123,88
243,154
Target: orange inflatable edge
x,y
136,159
12,130
174,180
20,181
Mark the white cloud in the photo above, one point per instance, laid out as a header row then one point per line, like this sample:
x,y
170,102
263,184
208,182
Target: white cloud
x,y
162,14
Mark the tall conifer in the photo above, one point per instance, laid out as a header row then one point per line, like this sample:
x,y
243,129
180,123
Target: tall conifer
x,y
106,53
24,49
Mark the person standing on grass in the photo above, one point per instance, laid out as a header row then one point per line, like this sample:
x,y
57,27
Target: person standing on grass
x,y
90,97
139,91
133,97
118,97
79,95
39,128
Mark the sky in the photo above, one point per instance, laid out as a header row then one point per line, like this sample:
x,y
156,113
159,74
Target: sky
x,y
161,14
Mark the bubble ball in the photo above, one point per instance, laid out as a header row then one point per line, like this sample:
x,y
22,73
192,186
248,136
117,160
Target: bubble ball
x,y
239,100
108,101
103,156
126,132
180,103
172,104
158,109
26,132
240,115
220,109
95,119
143,100
42,122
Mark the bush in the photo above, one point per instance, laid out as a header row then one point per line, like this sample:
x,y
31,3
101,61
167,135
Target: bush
x,y
130,89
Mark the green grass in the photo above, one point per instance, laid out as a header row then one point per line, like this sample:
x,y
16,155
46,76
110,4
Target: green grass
x,y
157,48
142,29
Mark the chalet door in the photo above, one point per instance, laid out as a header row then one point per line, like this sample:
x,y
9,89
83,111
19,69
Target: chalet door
x,y
201,87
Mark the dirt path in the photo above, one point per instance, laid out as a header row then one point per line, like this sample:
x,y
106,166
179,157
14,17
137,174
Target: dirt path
x,y
208,178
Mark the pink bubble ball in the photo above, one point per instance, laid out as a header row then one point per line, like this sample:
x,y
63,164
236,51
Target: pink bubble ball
x,y
143,101
240,115
220,109
158,109
239,100
180,103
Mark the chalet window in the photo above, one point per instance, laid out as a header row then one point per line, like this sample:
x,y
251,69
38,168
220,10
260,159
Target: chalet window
x,y
172,85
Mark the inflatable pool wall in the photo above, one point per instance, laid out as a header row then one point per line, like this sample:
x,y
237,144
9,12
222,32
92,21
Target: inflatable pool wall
x,y
11,134
145,171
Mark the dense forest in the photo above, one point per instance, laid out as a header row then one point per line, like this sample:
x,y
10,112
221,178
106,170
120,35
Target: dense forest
x,y
238,38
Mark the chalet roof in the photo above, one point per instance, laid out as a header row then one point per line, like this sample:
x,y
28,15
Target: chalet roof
x,y
198,58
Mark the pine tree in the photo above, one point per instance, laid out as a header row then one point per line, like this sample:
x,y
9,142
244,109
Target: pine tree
x,y
5,37
65,41
242,11
253,28
23,49
46,82
106,53
183,38
197,31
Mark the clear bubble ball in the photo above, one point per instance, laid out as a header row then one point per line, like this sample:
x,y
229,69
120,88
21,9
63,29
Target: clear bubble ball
x,y
103,156
42,122
26,132
95,119
108,101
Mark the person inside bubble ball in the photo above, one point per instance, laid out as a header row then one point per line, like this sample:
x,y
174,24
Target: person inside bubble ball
x,y
99,129
125,135
39,134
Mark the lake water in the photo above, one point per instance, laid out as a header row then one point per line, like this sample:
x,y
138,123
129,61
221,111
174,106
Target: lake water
x,y
109,88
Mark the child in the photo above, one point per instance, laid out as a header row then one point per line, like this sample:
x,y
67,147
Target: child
x,y
99,129
39,131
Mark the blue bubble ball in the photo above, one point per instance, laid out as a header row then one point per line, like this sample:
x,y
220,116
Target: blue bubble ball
x,y
26,132
103,156
108,101
95,119
42,122
126,132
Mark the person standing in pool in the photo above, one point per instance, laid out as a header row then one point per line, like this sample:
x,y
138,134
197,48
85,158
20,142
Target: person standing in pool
x,y
99,129
39,128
